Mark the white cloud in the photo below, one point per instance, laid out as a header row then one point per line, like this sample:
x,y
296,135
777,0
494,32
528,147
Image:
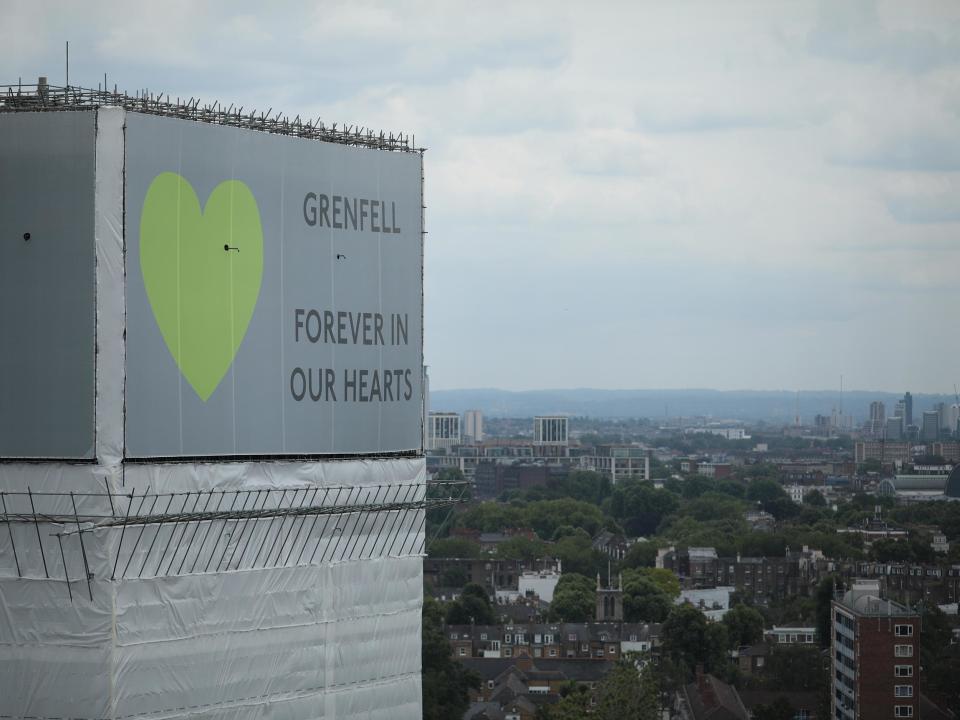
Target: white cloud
x,y
663,191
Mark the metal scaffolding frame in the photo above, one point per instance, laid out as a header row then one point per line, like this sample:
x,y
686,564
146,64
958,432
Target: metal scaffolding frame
x,y
181,533
44,97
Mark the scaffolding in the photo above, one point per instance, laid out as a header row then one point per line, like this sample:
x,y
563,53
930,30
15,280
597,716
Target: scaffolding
x,y
183,533
44,97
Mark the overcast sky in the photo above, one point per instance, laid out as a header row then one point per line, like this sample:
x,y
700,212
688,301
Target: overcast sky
x,y
620,195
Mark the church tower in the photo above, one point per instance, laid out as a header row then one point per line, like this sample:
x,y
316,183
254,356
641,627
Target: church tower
x,y
610,601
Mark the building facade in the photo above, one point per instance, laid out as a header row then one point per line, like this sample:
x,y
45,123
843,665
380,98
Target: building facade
x,y
443,430
875,648
473,426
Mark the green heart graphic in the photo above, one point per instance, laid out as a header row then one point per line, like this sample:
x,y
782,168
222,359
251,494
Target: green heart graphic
x,y
202,295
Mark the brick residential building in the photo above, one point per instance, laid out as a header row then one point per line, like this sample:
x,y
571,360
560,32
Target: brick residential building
x,y
875,648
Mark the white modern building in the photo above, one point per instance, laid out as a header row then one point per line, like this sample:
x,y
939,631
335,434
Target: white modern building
x,y
212,496
443,430
619,462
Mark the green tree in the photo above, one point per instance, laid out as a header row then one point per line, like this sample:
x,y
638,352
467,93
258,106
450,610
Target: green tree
x,y
628,693
583,485
472,607
643,599
716,655
815,498
520,547
664,579
575,705
546,516
683,637
796,667
824,598
640,507
577,554
574,599
454,576
779,709
939,659
745,625
492,517
641,554
446,683
453,547
440,520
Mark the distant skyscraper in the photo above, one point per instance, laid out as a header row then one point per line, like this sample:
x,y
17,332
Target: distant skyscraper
x,y
908,408
894,428
473,426
930,427
878,417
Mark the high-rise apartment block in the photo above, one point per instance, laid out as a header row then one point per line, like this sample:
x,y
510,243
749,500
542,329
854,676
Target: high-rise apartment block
x,y
473,426
894,429
930,426
875,648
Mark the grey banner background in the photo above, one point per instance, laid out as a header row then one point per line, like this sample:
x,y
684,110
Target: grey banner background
x,y
47,285
252,412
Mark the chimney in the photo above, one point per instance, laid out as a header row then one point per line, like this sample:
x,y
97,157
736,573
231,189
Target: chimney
x,y
42,86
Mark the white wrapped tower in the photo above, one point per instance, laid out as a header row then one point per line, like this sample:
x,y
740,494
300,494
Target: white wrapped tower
x,y
211,468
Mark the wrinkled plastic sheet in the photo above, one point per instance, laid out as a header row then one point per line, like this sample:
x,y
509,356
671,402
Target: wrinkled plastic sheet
x,y
315,640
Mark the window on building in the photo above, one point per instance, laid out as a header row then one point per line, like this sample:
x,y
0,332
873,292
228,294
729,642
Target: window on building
x,y
507,639
903,691
612,649
903,710
483,636
553,652
494,644
903,650
903,671
453,636
462,652
538,652
508,652
490,684
903,630
572,637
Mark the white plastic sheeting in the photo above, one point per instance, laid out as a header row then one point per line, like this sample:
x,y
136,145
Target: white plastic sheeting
x,y
324,640
328,635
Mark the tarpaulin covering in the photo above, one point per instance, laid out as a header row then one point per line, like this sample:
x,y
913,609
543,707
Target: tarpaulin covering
x,y
104,619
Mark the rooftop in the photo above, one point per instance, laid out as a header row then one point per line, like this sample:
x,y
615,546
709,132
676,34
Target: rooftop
x,y
43,97
863,598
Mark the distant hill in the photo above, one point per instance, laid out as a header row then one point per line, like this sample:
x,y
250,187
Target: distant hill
x,y
778,406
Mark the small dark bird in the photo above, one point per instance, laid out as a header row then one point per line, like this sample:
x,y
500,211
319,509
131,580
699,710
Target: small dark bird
x,y
341,257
